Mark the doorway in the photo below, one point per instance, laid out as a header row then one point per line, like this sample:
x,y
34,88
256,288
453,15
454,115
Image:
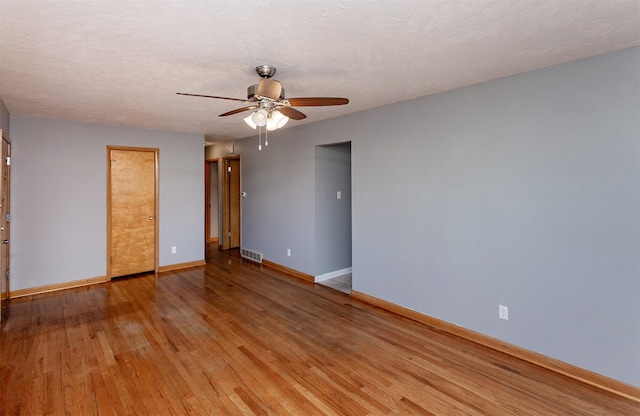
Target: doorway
x,y
231,217
5,181
333,216
132,211
212,201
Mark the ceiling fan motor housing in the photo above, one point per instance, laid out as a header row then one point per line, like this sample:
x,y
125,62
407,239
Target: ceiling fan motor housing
x,y
251,92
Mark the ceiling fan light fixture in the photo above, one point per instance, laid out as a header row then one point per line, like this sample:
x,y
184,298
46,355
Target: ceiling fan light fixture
x,y
273,109
249,121
259,118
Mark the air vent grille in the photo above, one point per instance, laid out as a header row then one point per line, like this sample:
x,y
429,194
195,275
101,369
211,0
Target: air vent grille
x,y
251,255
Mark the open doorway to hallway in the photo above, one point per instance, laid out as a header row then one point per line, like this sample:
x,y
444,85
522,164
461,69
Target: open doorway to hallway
x,y
333,215
222,202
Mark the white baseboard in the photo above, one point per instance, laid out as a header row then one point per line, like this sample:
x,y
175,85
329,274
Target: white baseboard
x,y
333,274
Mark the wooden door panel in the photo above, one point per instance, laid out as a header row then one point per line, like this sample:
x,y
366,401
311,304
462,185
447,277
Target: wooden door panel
x,y
234,203
231,217
132,211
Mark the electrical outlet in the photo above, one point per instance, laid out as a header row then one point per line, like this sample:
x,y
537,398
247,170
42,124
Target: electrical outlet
x,y
503,312
174,249
289,252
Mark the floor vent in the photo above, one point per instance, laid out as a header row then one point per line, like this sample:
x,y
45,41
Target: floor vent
x,y
251,255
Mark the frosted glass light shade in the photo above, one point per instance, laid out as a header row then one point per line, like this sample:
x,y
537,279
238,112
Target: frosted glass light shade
x,y
260,117
250,122
276,121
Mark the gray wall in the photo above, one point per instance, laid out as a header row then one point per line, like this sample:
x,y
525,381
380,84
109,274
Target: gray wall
x,y
524,191
278,212
58,198
4,120
333,215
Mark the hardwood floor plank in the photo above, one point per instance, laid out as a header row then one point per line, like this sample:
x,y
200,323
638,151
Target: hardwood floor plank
x,y
233,338
315,405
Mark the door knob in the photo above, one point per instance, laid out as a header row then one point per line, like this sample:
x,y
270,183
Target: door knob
x,y
150,218
5,241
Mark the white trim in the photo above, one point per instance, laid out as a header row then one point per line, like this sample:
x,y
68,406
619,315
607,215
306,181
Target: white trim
x,y
333,274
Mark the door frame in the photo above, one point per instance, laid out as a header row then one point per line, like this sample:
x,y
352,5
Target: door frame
x,y
207,201
226,197
5,221
156,231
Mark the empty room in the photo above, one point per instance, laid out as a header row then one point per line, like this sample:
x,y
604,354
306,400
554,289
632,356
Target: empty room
x,y
365,207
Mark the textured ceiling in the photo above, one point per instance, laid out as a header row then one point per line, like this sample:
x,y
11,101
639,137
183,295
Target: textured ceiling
x,y
122,61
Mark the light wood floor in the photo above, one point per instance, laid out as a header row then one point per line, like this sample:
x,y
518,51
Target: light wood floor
x,y
232,339
341,283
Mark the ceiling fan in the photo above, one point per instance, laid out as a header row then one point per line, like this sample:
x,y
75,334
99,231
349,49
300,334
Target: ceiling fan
x,y
268,99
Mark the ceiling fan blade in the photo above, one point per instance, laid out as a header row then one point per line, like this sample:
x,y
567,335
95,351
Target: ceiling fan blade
x,y
238,110
292,113
211,96
317,101
269,88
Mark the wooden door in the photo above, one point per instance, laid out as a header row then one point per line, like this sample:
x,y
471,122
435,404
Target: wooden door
x,y
132,211
211,202
5,181
231,203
